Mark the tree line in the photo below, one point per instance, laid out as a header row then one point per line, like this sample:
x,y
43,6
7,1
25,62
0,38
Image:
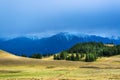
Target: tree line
x,y
37,55
65,56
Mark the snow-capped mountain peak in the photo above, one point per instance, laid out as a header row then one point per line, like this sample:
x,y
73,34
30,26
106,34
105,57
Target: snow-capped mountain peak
x,y
65,35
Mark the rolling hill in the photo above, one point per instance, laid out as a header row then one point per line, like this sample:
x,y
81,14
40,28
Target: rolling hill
x,y
13,60
19,68
4,54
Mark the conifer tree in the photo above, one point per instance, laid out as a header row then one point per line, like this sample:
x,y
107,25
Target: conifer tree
x,y
72,57
77,57
63,55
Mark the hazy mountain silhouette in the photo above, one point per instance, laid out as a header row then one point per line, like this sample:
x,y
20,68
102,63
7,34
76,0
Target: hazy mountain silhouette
x,y
53,44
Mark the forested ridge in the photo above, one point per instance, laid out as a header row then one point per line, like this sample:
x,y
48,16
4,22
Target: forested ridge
x,y
88,51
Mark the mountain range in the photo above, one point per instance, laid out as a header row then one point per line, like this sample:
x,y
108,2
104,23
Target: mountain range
x,y
53,44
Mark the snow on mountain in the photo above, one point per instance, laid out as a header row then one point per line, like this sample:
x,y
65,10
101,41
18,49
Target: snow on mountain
x,y
67,35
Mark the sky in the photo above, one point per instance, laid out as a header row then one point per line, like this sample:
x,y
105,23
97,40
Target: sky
x,y
45,17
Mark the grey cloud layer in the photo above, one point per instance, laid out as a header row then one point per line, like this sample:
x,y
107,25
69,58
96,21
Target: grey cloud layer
x,y
38,16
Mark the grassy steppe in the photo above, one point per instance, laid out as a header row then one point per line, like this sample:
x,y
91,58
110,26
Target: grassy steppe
x,y
18,68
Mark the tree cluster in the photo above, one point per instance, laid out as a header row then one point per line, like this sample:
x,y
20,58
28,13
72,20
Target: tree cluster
x,y
90,57
38,55
65,56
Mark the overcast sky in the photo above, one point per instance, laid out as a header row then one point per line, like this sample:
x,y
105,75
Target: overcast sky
x,y
99,17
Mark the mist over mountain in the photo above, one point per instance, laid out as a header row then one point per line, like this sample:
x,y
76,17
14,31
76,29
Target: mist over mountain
x,y
53,44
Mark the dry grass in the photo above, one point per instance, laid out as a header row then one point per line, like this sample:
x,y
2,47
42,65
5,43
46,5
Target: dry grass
x,y
48,58
110,45
19,68
4,54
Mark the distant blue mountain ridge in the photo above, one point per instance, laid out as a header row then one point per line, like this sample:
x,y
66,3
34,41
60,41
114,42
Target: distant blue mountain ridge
x,y
52,44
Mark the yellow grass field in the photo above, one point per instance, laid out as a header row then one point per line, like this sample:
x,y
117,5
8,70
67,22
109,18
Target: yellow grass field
x,y
19,68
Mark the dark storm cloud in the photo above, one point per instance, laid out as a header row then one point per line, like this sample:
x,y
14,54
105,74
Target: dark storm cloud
x,y
46,16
